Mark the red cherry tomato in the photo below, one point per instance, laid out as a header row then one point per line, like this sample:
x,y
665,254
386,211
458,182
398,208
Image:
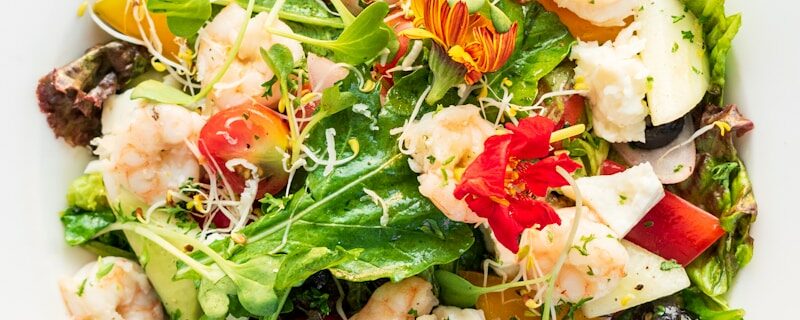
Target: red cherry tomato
x,y
253,133
610,167
676,229
573,110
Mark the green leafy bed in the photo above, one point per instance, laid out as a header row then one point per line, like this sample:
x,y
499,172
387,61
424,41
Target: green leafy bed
x,y
331,222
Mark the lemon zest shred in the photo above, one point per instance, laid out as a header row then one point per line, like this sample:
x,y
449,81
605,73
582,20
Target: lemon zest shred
x,y
82,8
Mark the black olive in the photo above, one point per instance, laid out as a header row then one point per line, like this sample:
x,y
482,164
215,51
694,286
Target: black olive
x,y
660,136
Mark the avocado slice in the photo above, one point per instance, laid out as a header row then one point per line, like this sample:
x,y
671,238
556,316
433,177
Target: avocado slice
x,y
178,296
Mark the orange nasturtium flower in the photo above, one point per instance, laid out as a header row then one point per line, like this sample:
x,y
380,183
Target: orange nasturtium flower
x,y
469,39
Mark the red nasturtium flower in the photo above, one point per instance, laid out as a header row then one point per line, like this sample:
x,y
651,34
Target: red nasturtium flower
x,y
504,182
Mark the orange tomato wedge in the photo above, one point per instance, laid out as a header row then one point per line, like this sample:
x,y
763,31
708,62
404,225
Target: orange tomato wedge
x,y
580,28
505,305
119,15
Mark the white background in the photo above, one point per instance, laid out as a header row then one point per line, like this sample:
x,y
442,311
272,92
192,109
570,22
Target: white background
x,y
35,168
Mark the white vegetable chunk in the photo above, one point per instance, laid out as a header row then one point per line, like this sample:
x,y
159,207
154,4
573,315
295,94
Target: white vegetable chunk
x,y
675,56
671,168
622,199
649,277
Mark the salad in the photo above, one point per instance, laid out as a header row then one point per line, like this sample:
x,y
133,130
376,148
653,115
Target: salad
x,y
404,159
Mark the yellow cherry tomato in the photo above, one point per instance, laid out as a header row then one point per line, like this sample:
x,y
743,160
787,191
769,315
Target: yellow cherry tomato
x,y
119,15
580,28
508,304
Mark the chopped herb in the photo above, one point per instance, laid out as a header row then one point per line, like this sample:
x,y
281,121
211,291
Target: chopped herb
x,y
675,47
660,310
639,287
104,269
591,271
678,168
669,265
622,199
591,1
446,162
697,71
81,287
431,159
574,307
413,312
649,224
688,35
582,249
550,236
610,236
675,19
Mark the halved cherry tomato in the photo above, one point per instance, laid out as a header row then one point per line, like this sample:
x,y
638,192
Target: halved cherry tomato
x,y
253,133
676,229
610,167
119,15
573,110
581,28
508,304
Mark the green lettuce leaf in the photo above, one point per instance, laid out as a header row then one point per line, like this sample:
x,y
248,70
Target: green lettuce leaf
x,y
184,17
88,193
719,32
720,185
81,226
331,223
541,47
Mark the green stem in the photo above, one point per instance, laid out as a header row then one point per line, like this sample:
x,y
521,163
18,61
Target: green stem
x,y
231,56
344,13
300,38
335,23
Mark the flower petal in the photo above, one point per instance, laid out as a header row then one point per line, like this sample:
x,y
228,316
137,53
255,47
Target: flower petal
x,y
542,175
504,227
529,213
531,137
485,176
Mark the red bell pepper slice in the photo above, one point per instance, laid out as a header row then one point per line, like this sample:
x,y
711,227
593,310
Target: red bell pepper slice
x,y
676,229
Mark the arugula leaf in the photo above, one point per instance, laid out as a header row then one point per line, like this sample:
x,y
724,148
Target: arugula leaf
x,y
309,13
280,61
719,32
184,17
545,42
360,42
724,190
333,211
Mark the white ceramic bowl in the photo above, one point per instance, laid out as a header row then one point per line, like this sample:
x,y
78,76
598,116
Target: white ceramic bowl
x,y
36,168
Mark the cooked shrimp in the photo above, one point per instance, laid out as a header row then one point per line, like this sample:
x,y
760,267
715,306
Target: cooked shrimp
x,y
442,144
595,263
242,82
143,150
603,13
398,301
111,288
